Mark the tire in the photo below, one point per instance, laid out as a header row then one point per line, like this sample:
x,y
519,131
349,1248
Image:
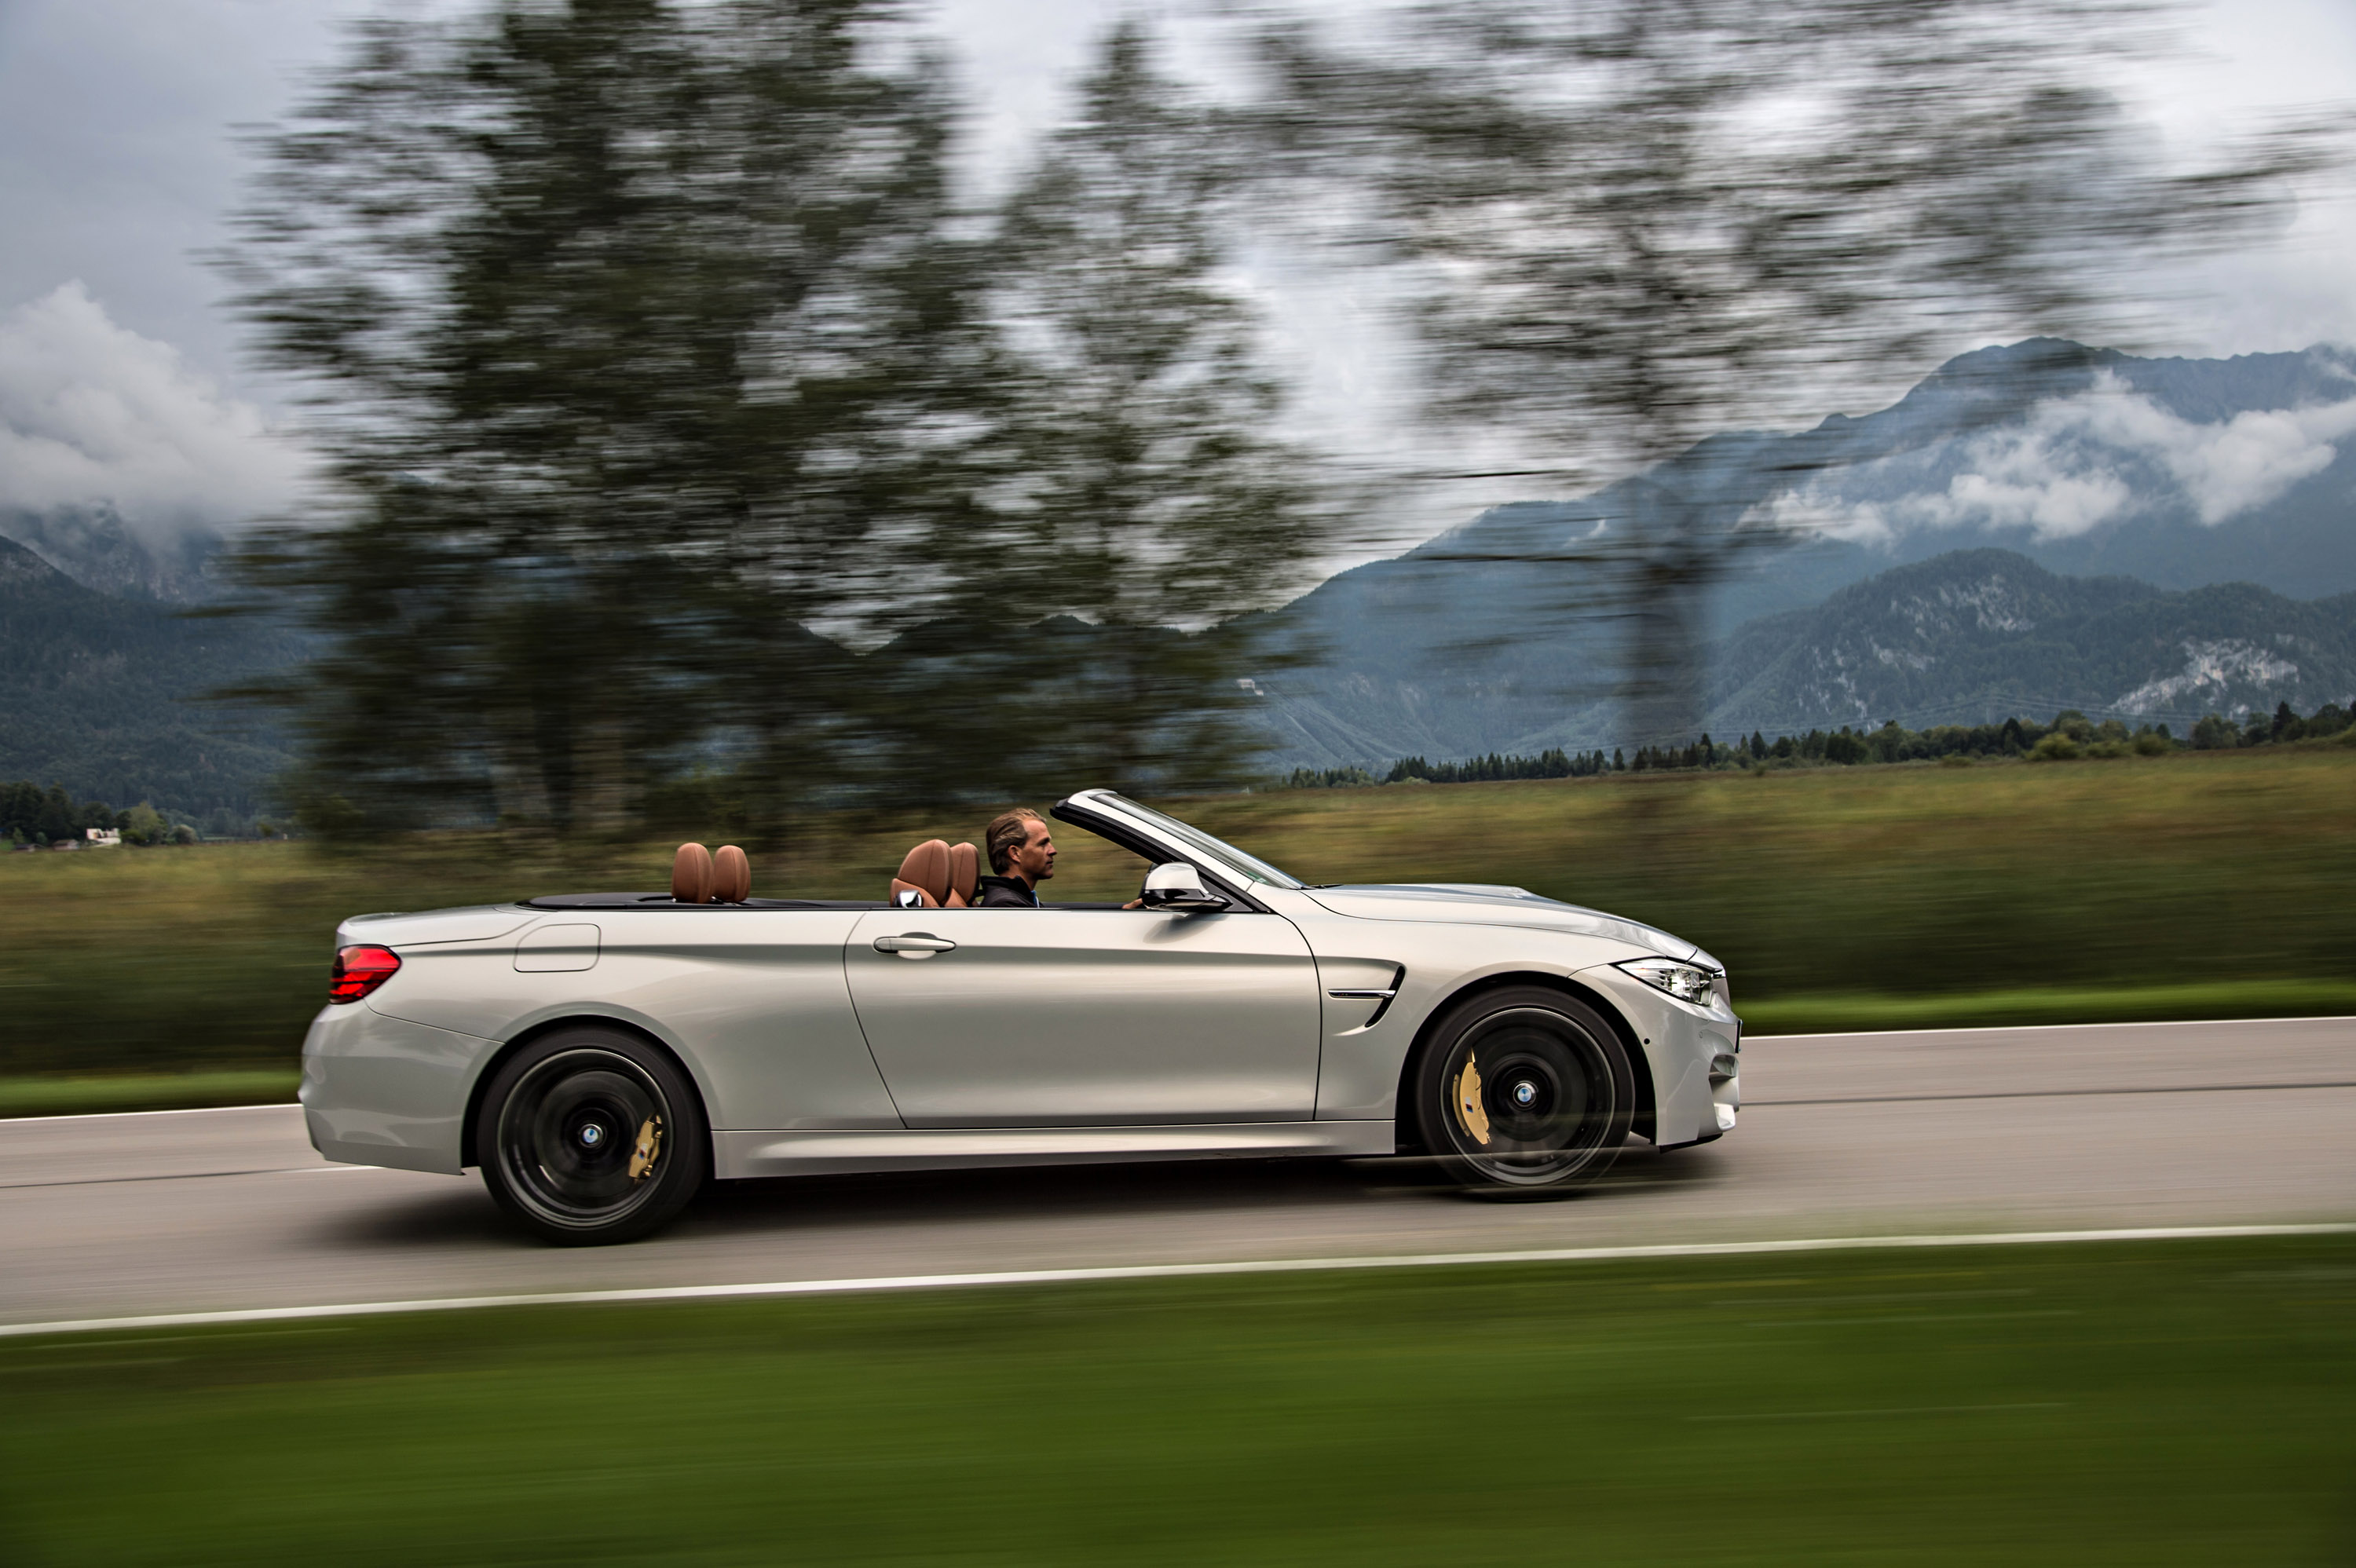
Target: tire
x,y
1524,1092
590,1135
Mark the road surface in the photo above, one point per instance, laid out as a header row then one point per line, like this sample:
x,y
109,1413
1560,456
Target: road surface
x,y
1843,1135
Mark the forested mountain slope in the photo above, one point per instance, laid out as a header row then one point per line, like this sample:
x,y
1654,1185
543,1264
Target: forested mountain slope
x,y
2179,474
100,693
1978,636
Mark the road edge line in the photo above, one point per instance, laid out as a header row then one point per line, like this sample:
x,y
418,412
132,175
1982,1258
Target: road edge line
x,y
8,1121
780,1288
2007,1029
1834,1034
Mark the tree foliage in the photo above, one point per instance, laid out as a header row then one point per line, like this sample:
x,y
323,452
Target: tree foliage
x,y
1622,227
1139,503
2071,735
682,429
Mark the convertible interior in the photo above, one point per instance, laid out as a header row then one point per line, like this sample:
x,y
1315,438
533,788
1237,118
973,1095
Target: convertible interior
x,y
935,874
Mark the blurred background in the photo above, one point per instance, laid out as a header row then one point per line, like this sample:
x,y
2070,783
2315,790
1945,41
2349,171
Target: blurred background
x,y
1867,484
1684,440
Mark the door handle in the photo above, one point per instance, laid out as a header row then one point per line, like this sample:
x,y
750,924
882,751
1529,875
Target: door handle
x,y
915,944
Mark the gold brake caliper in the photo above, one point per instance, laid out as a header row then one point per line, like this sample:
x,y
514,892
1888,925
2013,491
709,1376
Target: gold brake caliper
x,y
1471,1114
642,1159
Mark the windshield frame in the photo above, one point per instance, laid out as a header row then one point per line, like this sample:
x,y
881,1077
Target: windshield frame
x,y
1226,856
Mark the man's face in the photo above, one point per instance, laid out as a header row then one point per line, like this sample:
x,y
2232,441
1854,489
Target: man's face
x,y
1035,860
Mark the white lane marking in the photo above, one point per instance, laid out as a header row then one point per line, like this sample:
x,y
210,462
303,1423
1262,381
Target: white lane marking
x,y
1167,1271
2106,1092
1895,1409
188,1111
187,1176
87,1365
2016,1028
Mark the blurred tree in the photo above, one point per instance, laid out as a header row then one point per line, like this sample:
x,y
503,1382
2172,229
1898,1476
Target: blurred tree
x,y
1625,225
1090,630
641,342
54,819
143,824
2214,733
696,447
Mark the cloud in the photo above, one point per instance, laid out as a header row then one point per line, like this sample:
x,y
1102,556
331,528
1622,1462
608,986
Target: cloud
x,y
2018,492
2256,456
91,412
2077,463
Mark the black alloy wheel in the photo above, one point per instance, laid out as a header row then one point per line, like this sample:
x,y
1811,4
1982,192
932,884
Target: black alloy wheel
x,y
1524,1092
590,1136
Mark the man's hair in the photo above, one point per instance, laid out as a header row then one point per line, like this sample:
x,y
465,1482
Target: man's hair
x,y
1006,834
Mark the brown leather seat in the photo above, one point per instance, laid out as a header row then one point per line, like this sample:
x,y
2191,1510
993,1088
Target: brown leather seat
x,y
690,874
731,875
924,871
697,876
938,875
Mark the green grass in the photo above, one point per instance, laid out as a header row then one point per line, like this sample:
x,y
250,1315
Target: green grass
x,y
2175,1404
1839,1013
1840,897
77,1095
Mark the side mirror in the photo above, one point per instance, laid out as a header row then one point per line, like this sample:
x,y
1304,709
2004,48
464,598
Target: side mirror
x,y
1179,886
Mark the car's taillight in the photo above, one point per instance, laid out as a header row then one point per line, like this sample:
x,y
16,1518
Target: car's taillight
x,y
359,970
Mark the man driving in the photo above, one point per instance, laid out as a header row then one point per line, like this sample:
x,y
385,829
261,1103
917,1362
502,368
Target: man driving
x,y
1022,854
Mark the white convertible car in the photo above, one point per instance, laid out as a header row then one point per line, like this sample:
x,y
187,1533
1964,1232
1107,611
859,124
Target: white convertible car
x,y
599,1055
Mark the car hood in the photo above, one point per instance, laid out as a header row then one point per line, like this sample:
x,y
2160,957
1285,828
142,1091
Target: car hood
x,y
1489,903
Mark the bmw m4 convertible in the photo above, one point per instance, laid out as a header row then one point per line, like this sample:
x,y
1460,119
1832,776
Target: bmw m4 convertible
x,y
599,1056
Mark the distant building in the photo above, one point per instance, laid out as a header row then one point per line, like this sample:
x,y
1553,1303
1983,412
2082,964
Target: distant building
x,y
102,837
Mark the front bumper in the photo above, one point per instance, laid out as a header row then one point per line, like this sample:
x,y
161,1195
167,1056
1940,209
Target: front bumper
x,y
1695,1053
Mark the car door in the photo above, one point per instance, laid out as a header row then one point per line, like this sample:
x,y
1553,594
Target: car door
x,y
1088,1017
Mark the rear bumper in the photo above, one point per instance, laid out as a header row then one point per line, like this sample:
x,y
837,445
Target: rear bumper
x,y
383,1091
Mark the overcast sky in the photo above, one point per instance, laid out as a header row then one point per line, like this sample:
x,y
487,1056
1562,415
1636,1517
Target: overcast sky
x,y
117,160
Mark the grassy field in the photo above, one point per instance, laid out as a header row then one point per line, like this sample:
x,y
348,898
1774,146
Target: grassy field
x,y
2203,884
2183,1403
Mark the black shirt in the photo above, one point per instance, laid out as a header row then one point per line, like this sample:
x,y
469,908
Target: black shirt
x,y
1006,892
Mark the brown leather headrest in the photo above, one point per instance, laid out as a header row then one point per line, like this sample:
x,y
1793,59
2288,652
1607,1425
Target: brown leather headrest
x,y
965,875
731,875
690,874
925,870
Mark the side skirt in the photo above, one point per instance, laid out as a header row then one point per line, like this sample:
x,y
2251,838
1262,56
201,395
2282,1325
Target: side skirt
x,y
816,1152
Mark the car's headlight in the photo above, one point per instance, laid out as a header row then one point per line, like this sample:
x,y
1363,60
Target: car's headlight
x,y
1686,982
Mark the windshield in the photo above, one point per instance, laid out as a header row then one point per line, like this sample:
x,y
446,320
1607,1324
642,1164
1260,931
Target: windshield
x,y
1226,855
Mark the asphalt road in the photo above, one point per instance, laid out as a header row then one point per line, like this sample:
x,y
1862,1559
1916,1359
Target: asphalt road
x,y
1843,1135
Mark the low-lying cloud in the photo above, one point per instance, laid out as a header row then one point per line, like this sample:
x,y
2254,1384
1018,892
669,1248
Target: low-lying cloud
x,y
92,412
2080,461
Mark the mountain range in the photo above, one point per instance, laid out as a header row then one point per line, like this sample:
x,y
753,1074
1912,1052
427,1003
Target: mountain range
x,y
2179,475
92,544
2032,527
1978,636
102,693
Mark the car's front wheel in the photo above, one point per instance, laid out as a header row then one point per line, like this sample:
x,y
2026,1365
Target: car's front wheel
x,y
590,1135
1524,1092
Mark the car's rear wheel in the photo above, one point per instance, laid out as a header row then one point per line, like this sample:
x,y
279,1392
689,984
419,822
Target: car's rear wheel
x,y
590,1135
1524,1092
